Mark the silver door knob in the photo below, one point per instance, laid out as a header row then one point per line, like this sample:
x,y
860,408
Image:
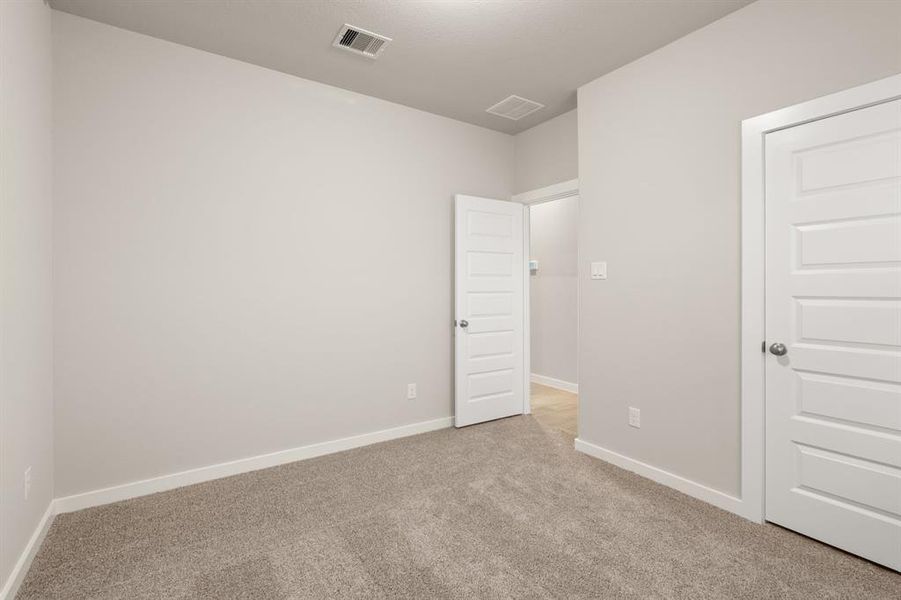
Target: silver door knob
x,y
778,349
464,323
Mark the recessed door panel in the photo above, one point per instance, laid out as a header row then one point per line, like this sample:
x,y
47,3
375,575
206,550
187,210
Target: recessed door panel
x,y
491,304
861,483
872,240
490,264
861,160
853,321
875,404
491,344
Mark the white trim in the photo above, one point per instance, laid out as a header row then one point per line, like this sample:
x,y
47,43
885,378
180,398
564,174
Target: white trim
x,y
753,325
753,279
559,384
11,587
677,482
564,189
244,465
526,314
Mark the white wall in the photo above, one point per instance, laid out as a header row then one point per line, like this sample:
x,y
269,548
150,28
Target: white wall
x,y
246,261
26,367
553,289
547,153
659,164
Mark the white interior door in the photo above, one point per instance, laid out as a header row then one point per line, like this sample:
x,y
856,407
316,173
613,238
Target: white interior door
x,y
833,298
489,310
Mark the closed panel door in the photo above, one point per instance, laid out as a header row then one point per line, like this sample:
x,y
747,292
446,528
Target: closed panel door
x,y
489,310
833,302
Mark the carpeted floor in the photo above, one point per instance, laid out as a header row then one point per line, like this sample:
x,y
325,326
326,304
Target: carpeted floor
x,y
501,510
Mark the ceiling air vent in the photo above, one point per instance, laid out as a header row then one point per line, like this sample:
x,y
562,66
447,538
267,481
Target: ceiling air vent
x,y
360,41
515,108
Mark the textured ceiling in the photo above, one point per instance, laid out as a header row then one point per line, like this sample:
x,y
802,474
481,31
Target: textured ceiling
x,y
452,58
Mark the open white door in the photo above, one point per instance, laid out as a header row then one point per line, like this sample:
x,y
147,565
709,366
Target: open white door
x,y
489,378
833,330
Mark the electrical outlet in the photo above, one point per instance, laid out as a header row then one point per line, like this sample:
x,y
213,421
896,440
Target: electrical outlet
x,y
27,482
411,391
634,417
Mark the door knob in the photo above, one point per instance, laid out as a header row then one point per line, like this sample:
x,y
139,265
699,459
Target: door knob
x,y
778,349
464,323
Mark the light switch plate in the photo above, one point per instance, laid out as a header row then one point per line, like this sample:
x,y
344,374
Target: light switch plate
x,y
599,270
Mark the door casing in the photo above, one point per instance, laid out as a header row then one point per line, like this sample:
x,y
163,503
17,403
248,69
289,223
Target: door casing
x,y
753,272
557,191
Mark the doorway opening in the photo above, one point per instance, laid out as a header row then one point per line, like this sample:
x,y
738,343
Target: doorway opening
x,y
553,299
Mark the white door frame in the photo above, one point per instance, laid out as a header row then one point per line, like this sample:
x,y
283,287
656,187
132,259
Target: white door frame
x,y
753,272
557,191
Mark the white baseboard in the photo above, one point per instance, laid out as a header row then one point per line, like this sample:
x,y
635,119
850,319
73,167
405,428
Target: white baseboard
x,y
244,465
559,384
11,587
677,482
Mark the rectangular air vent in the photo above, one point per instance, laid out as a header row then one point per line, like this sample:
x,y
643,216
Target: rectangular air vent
x,y
515,108
360,41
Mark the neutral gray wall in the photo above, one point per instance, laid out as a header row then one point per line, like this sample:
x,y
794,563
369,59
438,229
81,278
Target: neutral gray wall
x,y
547,153
26,348
659,164
245,261
553,289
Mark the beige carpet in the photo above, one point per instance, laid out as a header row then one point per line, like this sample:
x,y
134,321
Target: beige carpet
x,y
502,510
555,408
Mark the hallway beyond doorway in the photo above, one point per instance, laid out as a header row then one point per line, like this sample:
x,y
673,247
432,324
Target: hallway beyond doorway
x,y
555,408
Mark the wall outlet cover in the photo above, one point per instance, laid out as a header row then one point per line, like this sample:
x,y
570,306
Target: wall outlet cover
x,y
634,417
411,391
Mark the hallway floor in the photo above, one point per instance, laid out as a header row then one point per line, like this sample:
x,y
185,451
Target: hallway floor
x,y
555,408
